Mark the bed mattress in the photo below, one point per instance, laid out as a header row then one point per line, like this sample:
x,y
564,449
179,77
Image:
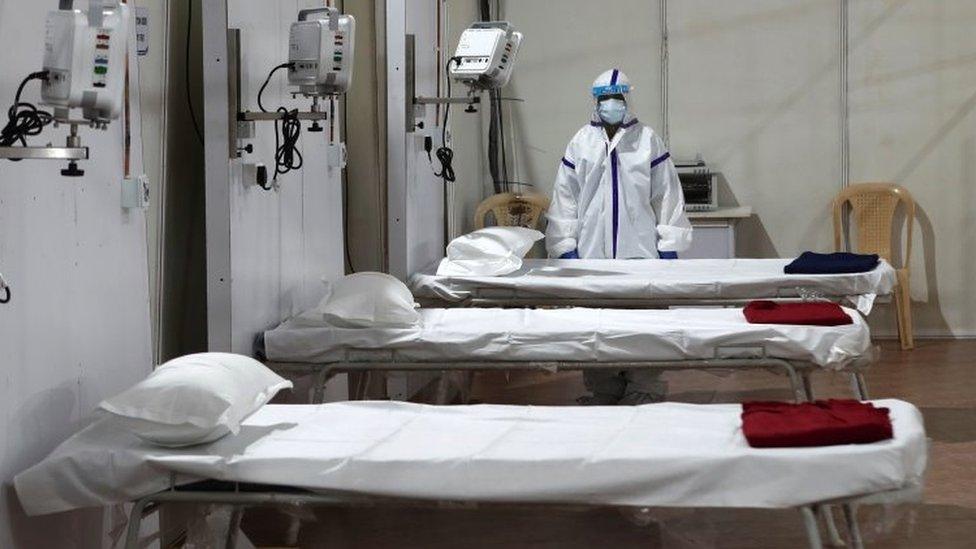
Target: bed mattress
x,y
668,454
573,335
657,280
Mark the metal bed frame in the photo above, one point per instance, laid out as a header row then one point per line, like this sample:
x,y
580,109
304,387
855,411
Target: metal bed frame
x,y
514,297
241,496
797,372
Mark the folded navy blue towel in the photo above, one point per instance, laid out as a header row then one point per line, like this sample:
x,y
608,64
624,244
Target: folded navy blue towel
x,y
836,263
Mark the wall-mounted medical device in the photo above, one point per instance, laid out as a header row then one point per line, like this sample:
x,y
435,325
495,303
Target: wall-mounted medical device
x,y
84,68
321,53
699,184
486,54
84,56
483,60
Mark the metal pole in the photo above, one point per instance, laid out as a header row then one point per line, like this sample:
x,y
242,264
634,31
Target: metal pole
x,y
813,529
135,523
826,512
850,517
216,117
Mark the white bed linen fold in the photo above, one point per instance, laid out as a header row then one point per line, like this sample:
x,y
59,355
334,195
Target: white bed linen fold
x,y
575,334
669,454
705,279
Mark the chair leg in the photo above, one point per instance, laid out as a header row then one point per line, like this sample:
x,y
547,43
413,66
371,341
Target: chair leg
x,y
899,318
908,339
903,310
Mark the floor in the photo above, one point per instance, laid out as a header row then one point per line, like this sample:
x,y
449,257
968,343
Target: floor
x,y
939,377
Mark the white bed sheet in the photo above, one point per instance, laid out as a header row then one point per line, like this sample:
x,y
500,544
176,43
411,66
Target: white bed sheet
x,y
573,334
703,279
669,454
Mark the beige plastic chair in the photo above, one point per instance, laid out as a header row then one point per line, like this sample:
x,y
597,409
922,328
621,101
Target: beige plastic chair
x,y
872,208
512,210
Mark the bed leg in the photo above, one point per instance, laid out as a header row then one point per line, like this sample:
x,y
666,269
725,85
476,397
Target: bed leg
x,y
318,390
850,517
799,395
807,386
833,535
135,523
812,527
860,385
294,529
234,527
443,388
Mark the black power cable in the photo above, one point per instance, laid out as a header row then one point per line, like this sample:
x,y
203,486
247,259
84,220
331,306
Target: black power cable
x,y
24,119
445,155
186,72
287,132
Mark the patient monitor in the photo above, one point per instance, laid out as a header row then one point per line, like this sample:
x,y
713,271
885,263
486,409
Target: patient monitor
x,y
486,54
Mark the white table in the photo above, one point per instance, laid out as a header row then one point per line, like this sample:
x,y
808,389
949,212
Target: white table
x,y
714,236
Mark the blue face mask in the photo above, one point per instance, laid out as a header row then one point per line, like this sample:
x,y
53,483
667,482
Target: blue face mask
x,y
612,111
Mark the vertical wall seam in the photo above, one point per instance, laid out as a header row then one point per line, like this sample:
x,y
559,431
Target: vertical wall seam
x,y
845,113
665,84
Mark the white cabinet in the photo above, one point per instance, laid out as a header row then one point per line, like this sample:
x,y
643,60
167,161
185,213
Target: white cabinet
x,y
714,234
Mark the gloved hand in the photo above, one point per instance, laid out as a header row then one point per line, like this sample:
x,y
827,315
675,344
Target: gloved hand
x,y
570,255
667,255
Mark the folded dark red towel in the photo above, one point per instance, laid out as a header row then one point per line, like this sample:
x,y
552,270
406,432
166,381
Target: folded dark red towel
x,y
820,423
813,313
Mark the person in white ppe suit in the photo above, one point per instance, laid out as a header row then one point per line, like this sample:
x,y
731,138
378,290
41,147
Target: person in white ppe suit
x,y
617,196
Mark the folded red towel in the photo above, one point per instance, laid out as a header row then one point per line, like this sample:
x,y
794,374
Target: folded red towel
x,y
813,313
820,423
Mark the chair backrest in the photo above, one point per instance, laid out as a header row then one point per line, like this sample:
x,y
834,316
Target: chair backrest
x,y
512,210
873,207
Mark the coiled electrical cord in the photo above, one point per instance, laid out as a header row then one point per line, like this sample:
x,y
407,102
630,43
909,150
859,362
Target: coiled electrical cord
x,y
287,132
445,154
4,291
24,119
287,155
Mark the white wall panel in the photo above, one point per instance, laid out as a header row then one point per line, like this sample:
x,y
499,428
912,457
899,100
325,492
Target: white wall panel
x,y
416,195
755,89
285,242
913,76
425,216
77,329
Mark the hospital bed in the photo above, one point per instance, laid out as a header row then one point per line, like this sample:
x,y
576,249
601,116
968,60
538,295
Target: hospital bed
x,y
648,284
659,455
480,339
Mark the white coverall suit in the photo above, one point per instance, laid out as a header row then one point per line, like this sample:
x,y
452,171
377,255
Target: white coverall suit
x,y
618,199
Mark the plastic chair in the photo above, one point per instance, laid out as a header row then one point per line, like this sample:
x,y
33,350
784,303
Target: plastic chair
x,y
512,210
872,209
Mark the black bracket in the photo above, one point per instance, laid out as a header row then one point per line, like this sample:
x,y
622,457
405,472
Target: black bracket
x,y
72,170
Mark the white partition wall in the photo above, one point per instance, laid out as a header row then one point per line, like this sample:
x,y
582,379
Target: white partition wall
x,y
77,327
268,252
416,196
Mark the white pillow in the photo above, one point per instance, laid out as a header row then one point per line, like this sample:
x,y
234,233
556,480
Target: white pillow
x,y
366,300
492,251
195,398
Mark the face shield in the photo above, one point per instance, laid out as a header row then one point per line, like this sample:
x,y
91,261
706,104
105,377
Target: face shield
x,y
610,91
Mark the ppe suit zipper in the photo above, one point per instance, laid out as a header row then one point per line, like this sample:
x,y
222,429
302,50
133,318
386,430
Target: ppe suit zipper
x,y
616,199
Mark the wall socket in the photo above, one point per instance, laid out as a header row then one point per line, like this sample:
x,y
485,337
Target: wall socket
x,y
337,155
135,193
